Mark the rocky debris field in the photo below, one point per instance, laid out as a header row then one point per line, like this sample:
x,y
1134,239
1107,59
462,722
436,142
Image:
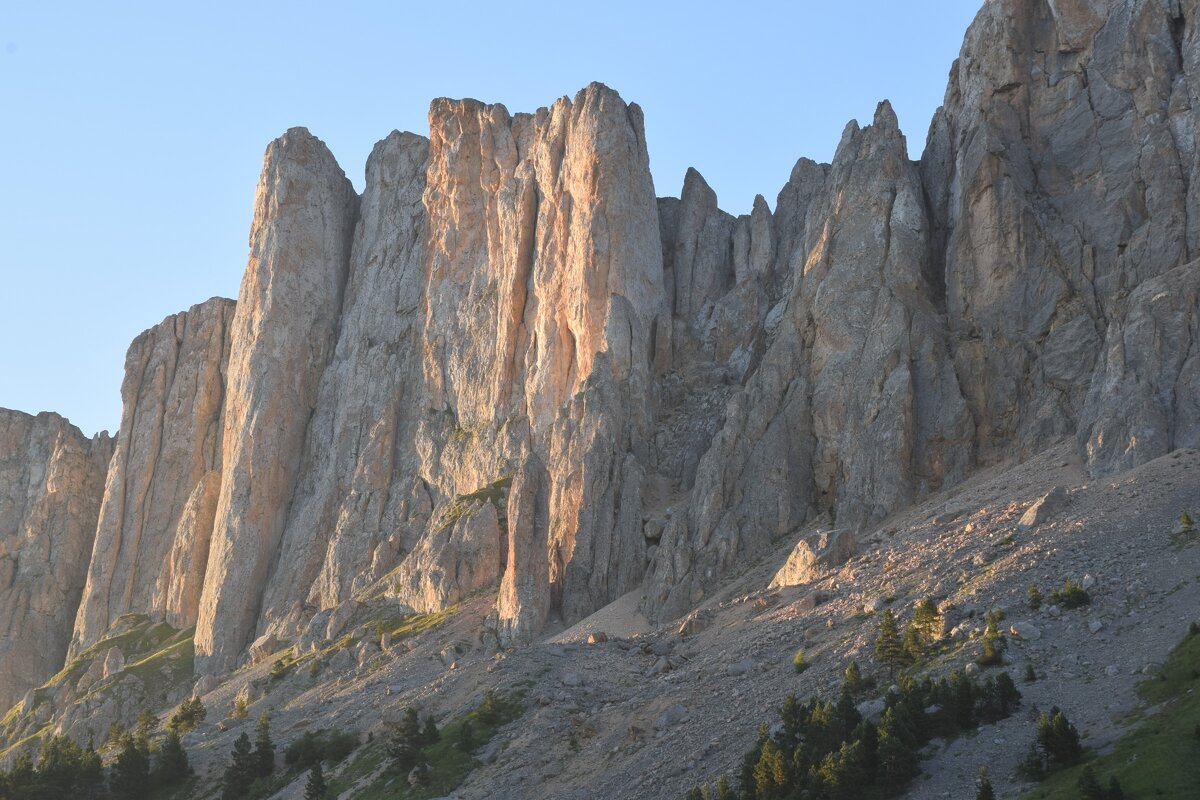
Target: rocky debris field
x,y
616,708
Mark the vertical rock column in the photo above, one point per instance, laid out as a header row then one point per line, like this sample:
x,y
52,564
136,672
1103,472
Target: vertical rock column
x,y
152,539
283,335
51,480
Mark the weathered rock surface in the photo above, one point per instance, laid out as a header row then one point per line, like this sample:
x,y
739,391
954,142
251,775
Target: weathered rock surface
x,y
814,555
600,390
358,505
282,336
151,545
51,482
544,284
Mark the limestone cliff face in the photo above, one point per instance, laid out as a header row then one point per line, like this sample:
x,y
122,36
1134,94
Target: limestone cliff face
x,y
854,409
51,482
358,493
544,290
282,336
511,369
151,545
1062,174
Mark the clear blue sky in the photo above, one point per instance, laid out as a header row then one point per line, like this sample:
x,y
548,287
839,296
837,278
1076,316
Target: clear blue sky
x,y
131,135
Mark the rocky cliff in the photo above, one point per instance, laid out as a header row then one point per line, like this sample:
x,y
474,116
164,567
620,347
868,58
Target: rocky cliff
x,y
151,543
508,368
51,482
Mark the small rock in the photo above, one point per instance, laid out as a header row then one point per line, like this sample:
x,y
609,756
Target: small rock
x,y
971,669
740,667
1095,626
598,637
672,716
1025,630
1111,670
1087,582
572,679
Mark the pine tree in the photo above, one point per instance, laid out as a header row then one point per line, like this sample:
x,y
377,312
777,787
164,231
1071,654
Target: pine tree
x,y
914,647
316,789
724,792
1089,787
241,772
1030,674
853,681
1115,792
985,790
404,741
430,733
264,748
993,643
1035,597
172,767
927,619
419,776
131,773
466,737
889,649
799,662
489,709
146,723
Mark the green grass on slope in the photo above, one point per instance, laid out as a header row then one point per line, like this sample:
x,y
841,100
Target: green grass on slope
x,y
449,764
1161,757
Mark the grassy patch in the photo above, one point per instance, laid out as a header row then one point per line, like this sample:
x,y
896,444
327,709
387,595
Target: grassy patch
x,y
493,493
449,764
1159,757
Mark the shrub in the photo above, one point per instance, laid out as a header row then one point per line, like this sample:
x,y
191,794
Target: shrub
x,y
1072,595
280,668
1185,521
1030,674
985,790
799,662
1035,597
993,643
189,716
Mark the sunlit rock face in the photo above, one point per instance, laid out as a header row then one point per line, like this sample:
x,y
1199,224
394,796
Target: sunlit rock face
x,y
160,497
508,368
282,337
51,482
544,289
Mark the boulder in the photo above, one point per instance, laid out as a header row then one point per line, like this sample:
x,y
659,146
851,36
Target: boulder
x,y
814,555
1044,508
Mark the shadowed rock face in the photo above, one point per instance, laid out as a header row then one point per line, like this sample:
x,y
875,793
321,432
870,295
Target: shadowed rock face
x,y
151,546
508,367
51,481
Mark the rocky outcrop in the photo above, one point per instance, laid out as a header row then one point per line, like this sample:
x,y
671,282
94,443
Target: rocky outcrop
x,y
854,408
1062,175
151,545
359,506
51,482
510,367
282,336
544,287
814,555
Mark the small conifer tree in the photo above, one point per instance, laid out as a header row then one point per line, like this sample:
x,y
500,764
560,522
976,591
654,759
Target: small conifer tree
x,y
1035,597
889,648
316,789
799,662
264,748
985,790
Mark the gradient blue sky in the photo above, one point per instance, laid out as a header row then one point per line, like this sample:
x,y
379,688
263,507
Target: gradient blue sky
x,y
131,135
